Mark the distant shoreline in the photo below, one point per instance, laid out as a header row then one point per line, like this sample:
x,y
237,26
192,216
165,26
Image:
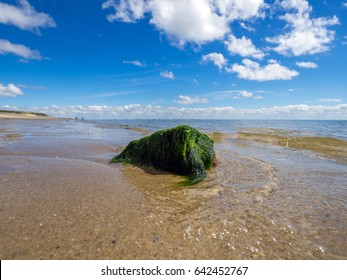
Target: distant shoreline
x,y
23,115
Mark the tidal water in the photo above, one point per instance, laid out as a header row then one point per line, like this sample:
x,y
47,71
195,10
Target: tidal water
x,y
279,191
336,129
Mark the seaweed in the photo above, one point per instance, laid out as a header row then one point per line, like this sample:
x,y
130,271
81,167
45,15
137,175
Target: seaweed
x,y
182,150
330,147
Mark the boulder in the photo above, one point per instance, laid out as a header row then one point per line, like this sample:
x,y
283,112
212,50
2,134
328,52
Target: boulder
x,y
182,150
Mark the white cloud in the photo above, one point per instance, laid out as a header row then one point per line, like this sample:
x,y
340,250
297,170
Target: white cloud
x,y
344,4
135,62
272,61
10,90
303,111
188,20
167,74
243,94
240,9
8,107
125,10
243,47
25,17
247,27
304,64
301,6
246,94
186,100
217,59
135,111
6,47
306,35
330,100
195,21
251,70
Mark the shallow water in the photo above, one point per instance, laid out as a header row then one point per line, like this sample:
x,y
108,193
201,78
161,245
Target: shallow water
x,y
60,199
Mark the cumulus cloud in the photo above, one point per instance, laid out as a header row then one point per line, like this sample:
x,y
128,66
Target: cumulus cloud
x,y
186,100
168,75
251,70
203,21
135,62
243,94
243,47
307,64
125,10
135,111
239,9
306,35
303,111
6,47
246,94
195,21
25,17
217,59
188,20
10,90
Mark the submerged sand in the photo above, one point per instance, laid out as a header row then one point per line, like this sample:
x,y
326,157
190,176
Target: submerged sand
x,y
61,199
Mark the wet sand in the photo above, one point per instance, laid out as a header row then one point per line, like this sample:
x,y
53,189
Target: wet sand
x,y
326,146
61,199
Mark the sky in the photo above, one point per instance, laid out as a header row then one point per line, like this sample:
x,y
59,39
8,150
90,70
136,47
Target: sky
x,y
178,59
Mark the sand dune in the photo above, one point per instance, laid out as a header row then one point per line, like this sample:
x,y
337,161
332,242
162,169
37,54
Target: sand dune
x,y
4,115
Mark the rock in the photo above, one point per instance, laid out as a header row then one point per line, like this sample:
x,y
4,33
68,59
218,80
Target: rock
x,y
182,150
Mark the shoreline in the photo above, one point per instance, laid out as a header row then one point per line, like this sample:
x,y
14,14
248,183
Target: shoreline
x,y
22,116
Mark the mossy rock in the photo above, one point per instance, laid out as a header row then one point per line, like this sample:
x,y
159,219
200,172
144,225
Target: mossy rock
x,y
182,150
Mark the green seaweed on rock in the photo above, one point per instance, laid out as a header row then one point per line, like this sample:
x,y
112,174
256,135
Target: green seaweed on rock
x,y
182,150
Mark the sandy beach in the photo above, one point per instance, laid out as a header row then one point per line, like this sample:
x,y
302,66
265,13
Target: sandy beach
x,y
61,199
24,116
55,204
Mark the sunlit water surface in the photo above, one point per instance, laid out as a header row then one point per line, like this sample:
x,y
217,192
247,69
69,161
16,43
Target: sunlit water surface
x,y
61,199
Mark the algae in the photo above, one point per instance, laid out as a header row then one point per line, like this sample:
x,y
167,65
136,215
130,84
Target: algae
x,y
331,147
13,136
182,150
219,137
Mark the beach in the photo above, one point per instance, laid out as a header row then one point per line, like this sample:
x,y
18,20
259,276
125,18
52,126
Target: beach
x,y
60,198
25,116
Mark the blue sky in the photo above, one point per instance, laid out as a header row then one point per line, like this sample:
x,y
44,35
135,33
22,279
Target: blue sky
x,y
175,59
